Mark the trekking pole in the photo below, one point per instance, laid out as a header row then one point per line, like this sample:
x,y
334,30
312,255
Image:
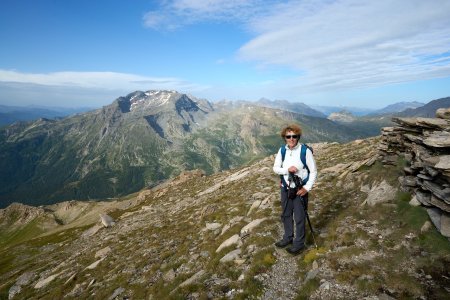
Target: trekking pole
x,y
309,222
310,227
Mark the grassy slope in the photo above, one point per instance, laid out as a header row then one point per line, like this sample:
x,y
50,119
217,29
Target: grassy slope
x,y
149,245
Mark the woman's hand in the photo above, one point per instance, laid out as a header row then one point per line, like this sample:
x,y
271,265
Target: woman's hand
x,y
302,192
292,169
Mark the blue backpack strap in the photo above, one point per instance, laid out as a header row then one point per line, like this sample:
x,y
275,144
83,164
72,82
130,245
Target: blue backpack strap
x,y
303,160
283,155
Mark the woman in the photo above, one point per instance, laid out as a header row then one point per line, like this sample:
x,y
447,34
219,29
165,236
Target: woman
x,y
288,163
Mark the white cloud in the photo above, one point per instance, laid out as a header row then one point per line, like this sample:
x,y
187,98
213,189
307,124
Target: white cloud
x,y
177,13
347,44
333,44
72,89
99,80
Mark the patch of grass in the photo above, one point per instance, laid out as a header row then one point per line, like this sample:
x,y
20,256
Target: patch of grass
x,y
307,289
311,255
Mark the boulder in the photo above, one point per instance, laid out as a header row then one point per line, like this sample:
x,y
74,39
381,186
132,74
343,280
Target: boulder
x,y
107,220
231,256
438,190
254,206
383,192
438,139
116,293
432,123
103,252
408,181
250,226
435,216
443,162
426,226
423,197
94,264
44,282
193,278
234,240
443,113
439,203
445,225
414,201
169,276
213,226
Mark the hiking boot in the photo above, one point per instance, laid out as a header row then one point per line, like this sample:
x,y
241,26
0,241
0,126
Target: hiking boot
x,y
295,249
283,243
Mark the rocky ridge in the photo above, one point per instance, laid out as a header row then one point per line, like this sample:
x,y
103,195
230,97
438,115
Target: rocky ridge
x,y
425,144
210,237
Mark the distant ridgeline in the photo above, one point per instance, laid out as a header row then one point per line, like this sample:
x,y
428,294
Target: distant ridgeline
x,y
138,141
425,143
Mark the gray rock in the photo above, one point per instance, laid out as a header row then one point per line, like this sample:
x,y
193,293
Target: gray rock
x,y
116,293
106,220
432,123
443,162
408,181
234,240
383,192
44,282
94,264
250,226
169,276
311,275
76,291
431,171
435,201
438,139
14,290
213,226
193,278
103,252
445,225
414,201
423,197
425,227
25,278
254,206
231,256
259,195
438,190
443,113
435,216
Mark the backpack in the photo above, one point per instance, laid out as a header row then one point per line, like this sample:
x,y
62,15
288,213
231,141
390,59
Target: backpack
x,y
304,148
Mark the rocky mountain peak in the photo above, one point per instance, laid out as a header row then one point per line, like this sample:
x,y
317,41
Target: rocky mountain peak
x,y
343,116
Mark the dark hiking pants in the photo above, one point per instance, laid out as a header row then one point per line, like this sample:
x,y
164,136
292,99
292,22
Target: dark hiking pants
x,y
293,211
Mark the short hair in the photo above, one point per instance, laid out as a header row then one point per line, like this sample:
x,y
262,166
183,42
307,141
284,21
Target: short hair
x,y
294,128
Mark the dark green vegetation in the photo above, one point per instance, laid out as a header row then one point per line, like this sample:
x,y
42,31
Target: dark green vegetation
x,y
127,146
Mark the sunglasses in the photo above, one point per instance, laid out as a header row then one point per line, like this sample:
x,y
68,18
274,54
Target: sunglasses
x,y
291,136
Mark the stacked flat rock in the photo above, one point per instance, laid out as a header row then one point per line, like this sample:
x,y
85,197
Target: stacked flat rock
x,y
425,144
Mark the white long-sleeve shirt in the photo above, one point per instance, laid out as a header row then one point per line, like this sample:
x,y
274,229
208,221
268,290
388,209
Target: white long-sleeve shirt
x,y
292,158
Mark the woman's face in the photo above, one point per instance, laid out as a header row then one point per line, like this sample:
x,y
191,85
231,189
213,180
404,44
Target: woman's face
x,y
291,139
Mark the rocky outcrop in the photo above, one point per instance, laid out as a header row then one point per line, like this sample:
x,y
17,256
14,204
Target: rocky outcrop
x,y
425,144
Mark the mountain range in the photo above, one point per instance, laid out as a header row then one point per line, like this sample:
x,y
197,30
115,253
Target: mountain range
x,y
137,141
146,137
11,114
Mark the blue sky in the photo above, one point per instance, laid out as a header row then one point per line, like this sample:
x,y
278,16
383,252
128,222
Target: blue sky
x,y
344,53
